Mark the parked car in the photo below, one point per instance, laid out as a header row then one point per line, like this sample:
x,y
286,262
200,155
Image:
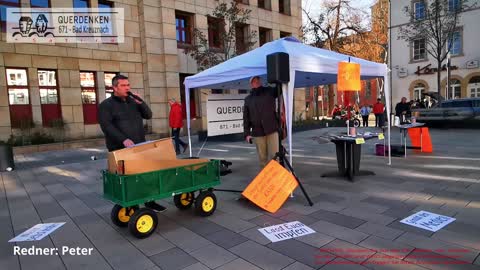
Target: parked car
x,y
456,112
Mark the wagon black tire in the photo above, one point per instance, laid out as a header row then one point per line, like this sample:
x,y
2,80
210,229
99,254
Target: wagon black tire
x,y
184,201
205,204
143,223
356,123
119,216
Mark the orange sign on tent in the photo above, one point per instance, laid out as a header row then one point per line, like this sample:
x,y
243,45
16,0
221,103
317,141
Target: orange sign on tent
x,y
271,188
348,78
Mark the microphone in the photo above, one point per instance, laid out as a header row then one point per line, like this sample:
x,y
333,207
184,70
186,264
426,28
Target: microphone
x,y
130,94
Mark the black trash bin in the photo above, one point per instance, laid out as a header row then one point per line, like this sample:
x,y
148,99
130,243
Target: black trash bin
x,y
6,157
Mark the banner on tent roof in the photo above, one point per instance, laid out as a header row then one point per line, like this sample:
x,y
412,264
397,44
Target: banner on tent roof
x,y
348,77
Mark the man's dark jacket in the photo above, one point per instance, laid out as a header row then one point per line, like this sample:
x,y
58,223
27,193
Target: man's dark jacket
x,y
121,120
259,117
402,107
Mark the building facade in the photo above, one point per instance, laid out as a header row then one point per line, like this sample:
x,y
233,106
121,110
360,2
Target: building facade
x,y
412,67
62,84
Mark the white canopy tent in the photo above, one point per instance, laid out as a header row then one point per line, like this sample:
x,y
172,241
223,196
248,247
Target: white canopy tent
x,y
309,66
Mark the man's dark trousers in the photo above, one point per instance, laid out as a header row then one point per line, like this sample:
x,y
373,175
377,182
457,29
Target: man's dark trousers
x,y
178,141
365,120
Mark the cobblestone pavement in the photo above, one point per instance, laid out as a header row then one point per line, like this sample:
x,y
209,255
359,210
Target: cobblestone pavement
x,y
357,224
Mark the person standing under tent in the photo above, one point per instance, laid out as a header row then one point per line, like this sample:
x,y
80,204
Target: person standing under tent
x,y
260,123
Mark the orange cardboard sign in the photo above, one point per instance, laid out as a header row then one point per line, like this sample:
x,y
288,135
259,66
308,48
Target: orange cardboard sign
x,y
348,78
271,188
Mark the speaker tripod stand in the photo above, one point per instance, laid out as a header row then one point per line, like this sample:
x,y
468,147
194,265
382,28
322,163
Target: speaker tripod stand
x,y
280,155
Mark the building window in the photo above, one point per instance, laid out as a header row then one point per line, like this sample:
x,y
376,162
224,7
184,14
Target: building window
x,y
455,43
217,91
49,101
40,3
285,34
241,31
284,7
215,30
418,91
265,4
455,90
419,50
108,76
264,35
184,26
454,5
81,3
242,91
193,107
474,86
4,4
19,98
89,97
419,10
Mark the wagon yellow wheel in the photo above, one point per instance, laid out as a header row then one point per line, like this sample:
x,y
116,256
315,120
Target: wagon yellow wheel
x,y
120,215
206,203
184,201
143,223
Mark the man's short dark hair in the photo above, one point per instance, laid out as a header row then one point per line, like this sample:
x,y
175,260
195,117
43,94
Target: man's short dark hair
x,y
379,99
117,78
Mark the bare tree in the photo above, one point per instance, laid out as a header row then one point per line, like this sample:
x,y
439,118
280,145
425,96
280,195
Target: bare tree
x,y
331,27
436,24
338,27
231,17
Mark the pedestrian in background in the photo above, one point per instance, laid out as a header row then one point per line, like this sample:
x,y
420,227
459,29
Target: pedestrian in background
x,y
176,123
365,112
378,109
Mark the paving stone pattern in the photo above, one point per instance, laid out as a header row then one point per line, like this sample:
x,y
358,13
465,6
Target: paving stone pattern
x,y
357,223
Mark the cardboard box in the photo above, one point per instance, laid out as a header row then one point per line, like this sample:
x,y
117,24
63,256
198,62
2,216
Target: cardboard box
x,y
147,157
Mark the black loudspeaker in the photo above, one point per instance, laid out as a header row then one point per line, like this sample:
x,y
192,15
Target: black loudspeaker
x,y
278,68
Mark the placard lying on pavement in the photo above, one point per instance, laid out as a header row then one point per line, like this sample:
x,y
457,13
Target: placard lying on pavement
x,y
428,221
271,187
286,231
37,232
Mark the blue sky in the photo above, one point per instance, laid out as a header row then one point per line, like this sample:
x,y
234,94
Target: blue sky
x,y
311,4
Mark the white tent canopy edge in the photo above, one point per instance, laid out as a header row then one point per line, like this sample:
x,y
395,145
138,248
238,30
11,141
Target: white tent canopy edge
x,y
309,66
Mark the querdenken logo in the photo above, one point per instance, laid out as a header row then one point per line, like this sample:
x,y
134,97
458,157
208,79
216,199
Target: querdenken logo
x,y
65,25
41,27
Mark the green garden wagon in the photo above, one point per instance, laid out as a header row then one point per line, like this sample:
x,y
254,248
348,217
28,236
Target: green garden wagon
x,y
188,185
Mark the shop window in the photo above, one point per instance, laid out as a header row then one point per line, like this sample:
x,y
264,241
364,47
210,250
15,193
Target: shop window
x,y
49,100
108,83
4,4
19,98
184,28
81,3
264,35
215,30
89,97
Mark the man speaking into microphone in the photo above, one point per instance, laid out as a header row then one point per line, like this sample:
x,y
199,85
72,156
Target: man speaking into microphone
x,y
121,119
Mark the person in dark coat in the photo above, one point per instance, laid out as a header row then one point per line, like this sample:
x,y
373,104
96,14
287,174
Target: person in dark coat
x,y
175,120
121,120
402,110
260,123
